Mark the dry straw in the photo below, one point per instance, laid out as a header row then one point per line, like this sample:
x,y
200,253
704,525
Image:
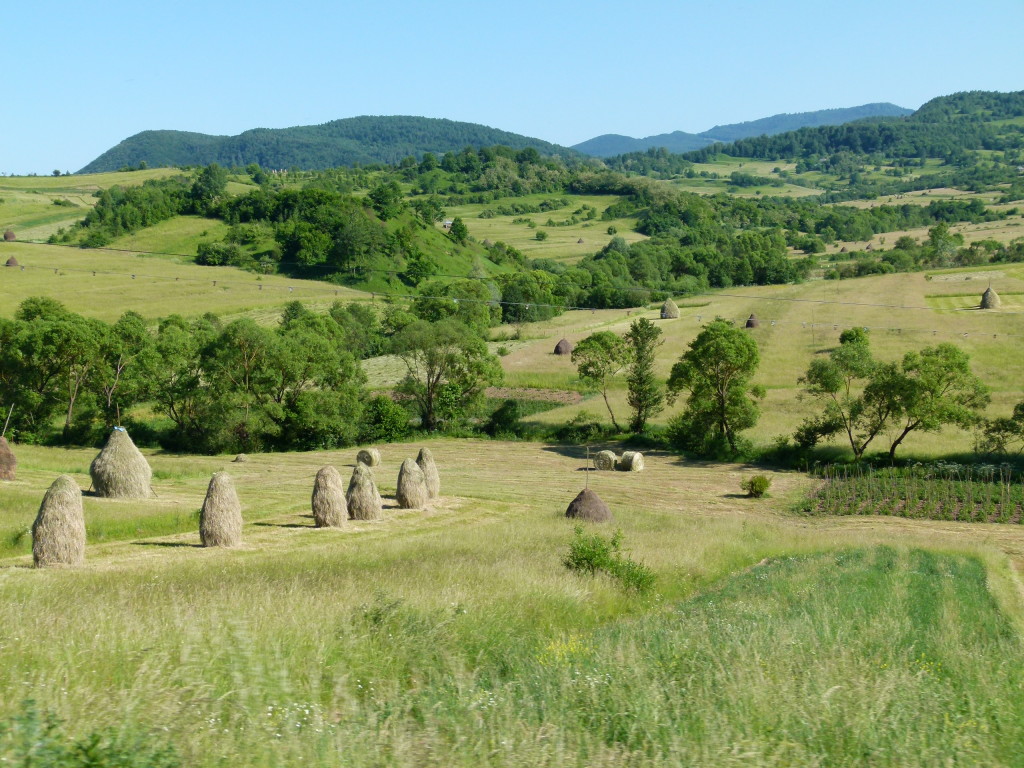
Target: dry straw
x,y
588,506
669,310
363,498
58,534
563,347
605,460
631,461
411,492
8,461
120,470
240,459
425,459
368,456
990,299
220,520
12,262
330,509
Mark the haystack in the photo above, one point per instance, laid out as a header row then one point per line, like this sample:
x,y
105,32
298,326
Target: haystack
x,y
605,460
120,471
330,510
753,322
240,459
563,347
368,456
588,506
630,461
363,498
580,241
8,462
9,235
425,459
58,534
12,262
411,492
669,310
843,249
990,299
220,520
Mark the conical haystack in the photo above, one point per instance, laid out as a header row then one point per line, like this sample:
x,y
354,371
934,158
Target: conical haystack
x,y
411,492
368,456
11,262
753,322
669,310
563,347
9,236
120,470
58,534
588,506
8,462
433,478
605,460
990,299
240,459
330,510
220,520
363,498
630,461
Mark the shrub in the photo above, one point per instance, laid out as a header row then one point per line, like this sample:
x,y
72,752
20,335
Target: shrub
x,y
384,421
505,419
595,554
756,486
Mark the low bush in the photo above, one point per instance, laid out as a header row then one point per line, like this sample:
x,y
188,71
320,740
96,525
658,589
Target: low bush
x,y
593,554
756,486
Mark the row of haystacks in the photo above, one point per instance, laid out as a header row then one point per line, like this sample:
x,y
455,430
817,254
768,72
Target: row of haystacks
x,y
629,461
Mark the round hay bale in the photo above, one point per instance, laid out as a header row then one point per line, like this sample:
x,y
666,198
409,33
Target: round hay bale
x,y
425,459
9,235
363,498
588,506
605,460
669,310
368,456
240,459
58,533
330,510
753,322
630,461
120,471
411,492
563,347
990,299
8,462
12,262
220,519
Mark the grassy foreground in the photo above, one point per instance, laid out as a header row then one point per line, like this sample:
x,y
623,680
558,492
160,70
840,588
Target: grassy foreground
x,y
456,637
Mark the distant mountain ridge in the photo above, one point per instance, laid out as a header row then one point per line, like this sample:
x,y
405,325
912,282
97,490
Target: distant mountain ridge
x,y
364,140
610,144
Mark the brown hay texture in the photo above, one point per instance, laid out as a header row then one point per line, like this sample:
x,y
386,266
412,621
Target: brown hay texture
x,y
8,461
990,299
363,498
58,534
9,235
669,310
240,459
605,460
753,322
588,506
563,347
411,492
220,520
425,459
368,456
631,461
330,510
12,262
120,471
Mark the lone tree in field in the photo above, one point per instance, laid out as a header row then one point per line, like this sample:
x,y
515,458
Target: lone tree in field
x,y
220,519
716,370
598,358
362,497
58,534
411,491
645,396
425,460
120,470
330,510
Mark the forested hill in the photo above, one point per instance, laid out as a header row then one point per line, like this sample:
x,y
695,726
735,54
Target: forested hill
x,y
364,140
610,145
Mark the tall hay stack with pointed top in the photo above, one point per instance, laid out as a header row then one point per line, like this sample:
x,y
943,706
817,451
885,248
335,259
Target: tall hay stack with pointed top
x,y
220,520
363,498
8,461
330,510
425,459
669,310
120,471
411,492
990,299
588,506
564,347
58,534
368,456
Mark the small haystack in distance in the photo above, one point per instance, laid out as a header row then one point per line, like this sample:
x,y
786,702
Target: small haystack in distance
x,y
363,498
220,519
8,462
330,510
58,534
12,262
120,471
753,322
669,310
411,492
605,460
368,456
425,459
990,299
580,241
563,347
588,506
9,235
630,461
240,459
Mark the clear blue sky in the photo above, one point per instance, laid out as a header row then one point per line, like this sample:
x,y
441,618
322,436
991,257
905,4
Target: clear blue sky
x,y
80,77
